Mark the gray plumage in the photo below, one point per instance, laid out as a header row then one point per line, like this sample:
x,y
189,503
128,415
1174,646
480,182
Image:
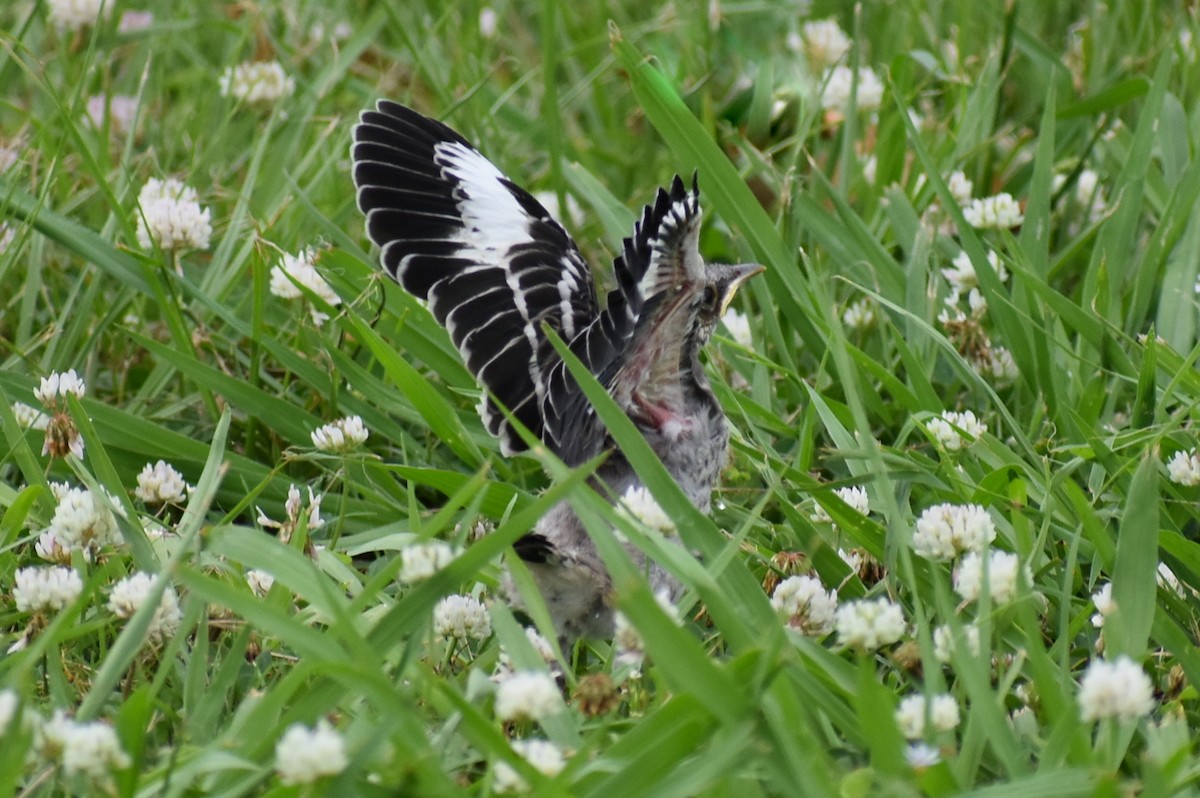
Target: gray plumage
x,y
495,267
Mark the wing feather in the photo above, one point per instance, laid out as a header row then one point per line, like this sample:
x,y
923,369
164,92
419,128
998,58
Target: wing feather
x,y
483,252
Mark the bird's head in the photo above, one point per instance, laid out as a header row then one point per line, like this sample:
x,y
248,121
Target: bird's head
x,y
721,282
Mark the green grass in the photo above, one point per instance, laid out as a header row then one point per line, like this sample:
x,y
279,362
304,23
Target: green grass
x,y
188,357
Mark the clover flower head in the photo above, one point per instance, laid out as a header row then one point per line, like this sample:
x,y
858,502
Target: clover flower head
x,y
160,483
171,217
1004,570
546,757
1184,467
638,503
128,596
530,695
942,709
462,618
999,212
75,15
263,82
301,269
423,560
839,83
41,589
1119,689
869,624
341,435
805,605
82,521
305,754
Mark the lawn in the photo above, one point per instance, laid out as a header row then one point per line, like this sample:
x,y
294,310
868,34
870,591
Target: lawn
x,y
254,536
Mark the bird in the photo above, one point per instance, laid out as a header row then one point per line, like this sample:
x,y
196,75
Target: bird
x,y
495,269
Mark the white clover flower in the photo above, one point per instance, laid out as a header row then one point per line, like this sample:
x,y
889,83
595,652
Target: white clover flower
x,y
29,417
627,641
504,665
855,558
46,588
1105,605
1117,689
739,328
303,755
838,85
160,483
639,504
340,436
89,749
910,715
423,560
260,581
1090,194
257,82
859,315
856,497
852,495
1004,575
293,507
121,109
824,42
57,386
461,618
128,595
1184,468
805,605
943,642
960,187
962,276
546,757
531,695
922,755
869,624
49,549
945,531
999,212
946,429
10,708
83,521
487,22
301,269
997,363
134,21
170,215
50,734
75,15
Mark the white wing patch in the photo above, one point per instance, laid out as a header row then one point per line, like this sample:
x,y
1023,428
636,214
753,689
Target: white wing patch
x,y
493,222
492,217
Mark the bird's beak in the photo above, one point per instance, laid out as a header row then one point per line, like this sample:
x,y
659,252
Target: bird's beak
x,y
742,273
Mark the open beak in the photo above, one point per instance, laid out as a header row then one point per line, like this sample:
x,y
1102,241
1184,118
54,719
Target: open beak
x,y
742,273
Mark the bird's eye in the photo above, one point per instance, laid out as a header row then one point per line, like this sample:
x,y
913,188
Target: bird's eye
x,y
710,297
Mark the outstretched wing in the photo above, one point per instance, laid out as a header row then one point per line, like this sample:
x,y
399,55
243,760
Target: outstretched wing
x,y
644,323
487,257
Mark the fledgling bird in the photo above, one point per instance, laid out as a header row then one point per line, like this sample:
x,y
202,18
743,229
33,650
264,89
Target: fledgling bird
x,y
494,267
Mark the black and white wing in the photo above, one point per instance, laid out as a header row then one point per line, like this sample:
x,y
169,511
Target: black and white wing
x,y
643,327
486,256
